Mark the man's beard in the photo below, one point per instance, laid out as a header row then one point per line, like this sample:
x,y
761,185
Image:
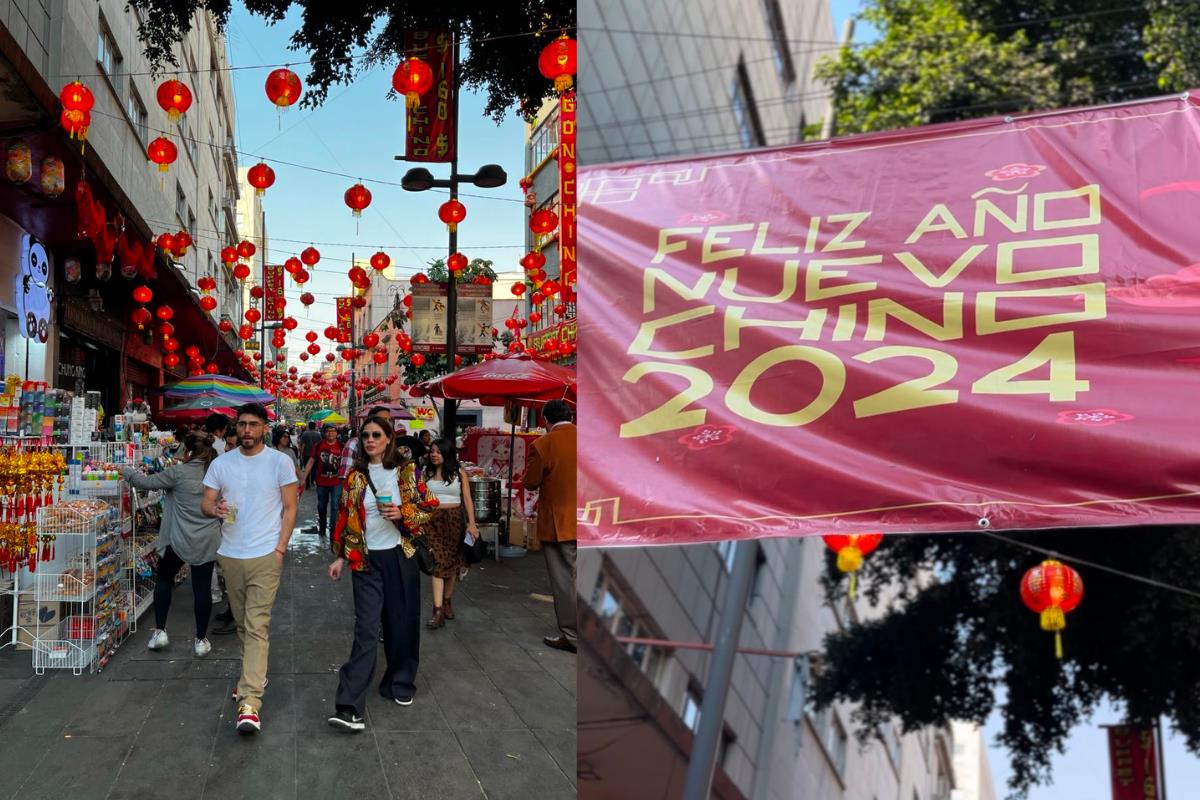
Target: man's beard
x,y
254,441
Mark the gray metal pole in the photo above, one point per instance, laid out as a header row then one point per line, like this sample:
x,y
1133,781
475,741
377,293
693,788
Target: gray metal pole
x,y
450,407
720,669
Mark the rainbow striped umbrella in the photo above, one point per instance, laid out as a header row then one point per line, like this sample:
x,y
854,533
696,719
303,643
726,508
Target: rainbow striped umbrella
x,y
222,387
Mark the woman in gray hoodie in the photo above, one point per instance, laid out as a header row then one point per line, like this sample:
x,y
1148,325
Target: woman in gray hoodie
x,y
185,536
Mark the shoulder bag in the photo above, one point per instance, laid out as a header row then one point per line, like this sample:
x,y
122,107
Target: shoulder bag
x,y
426,560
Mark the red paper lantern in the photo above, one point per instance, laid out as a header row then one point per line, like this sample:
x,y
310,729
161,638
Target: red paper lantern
x,y
212,369
164,313
301,277
229,255
292,266
560,309
850,549
356,274
143,295
379,356
412,78
171,360
208,303
246,249
371,339
141,317
357,197
290,323
77,102
304,356
162,152
417,359
456,262
225,326
407,301
241,272
311,336
420,277
284,87
314,348
1052,589
359,302
380,261
331,332
535,317
331,357
206,283
557,62
76,123
533,260
452,212
257,292
246,332
537,298
252,315
518,289
261,177
174,97
166,242
310,256
170,345
551,288
182,241
543,221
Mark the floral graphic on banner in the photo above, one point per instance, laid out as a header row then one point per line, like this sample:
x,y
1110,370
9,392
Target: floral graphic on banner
x,y
1095,418
708,436
1013,171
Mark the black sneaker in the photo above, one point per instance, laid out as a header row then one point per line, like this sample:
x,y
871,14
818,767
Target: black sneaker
x,y
345,719
404,701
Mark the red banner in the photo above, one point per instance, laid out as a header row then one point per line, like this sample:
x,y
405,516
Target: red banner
x,y
345,314
273,292
567,184
988,324
431,128
1133,757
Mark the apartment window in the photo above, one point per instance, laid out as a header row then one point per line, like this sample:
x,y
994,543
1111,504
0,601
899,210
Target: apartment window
x,y
137,114
189,139
691,710
107,54
619,617
726,551
798,696
941,790
191,222
836,742
180,204
744,109
543,141
779,41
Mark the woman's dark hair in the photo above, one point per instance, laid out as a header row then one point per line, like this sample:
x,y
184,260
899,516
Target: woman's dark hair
x,y
216,423
392,459
449,460
278,435
199,444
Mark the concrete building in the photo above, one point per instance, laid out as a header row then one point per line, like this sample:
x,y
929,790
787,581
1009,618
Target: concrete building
x,y
250,222
707,76
663,80
45,44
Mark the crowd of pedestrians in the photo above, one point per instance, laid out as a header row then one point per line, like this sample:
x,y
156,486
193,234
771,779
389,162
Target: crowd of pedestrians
x,y
392,505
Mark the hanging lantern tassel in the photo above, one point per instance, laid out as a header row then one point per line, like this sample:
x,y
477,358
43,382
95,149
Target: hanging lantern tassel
x,y
1052,589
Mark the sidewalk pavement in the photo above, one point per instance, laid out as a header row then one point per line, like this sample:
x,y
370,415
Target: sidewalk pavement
x,y
494,715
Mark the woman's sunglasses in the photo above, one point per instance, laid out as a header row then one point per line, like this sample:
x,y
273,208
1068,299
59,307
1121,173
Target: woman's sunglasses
x,y
373,434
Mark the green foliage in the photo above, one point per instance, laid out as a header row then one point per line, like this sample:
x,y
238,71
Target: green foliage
x,y
498,57
476,268
1173,44
958,635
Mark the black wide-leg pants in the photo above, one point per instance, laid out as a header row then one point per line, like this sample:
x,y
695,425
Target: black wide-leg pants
x,y
389,591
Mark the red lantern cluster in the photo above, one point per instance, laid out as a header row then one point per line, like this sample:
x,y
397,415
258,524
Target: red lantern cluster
x,y
77,103
1052,590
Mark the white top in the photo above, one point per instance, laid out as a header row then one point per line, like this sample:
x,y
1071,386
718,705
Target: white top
x,y
448,494
252,483
382,534
218,444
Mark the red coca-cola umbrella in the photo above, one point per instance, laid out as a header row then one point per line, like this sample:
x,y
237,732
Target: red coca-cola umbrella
x,y
515,377
511,378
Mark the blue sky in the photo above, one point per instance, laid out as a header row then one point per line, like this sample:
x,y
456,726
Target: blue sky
x,y
1082,771
358,131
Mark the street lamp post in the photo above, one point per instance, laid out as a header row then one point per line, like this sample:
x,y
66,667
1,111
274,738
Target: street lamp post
x,y
419,179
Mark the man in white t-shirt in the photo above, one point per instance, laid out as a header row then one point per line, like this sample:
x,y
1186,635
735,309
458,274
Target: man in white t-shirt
x,y
254,490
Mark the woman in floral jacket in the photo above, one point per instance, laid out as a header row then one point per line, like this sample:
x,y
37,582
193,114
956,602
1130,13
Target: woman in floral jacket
x,y
379,495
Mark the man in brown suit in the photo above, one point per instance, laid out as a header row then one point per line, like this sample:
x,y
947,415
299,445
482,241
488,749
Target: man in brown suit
x,y
550,467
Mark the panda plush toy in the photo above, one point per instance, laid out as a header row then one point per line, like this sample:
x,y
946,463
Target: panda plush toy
x,y
33,290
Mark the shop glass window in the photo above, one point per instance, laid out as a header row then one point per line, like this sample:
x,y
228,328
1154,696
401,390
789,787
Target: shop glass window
x,y
779,42
544,140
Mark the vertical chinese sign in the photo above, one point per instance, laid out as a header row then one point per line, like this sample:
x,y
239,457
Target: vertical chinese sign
x,y
273,288
566,194
431,135
345,315
1133,757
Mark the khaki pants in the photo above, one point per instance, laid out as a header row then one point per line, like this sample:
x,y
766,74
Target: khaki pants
x,y
251,584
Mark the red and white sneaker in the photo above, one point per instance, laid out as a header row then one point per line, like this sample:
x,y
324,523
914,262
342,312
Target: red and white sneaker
x,y
248,721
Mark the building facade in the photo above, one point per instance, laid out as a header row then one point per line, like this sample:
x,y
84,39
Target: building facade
x,y
667,79
45,44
